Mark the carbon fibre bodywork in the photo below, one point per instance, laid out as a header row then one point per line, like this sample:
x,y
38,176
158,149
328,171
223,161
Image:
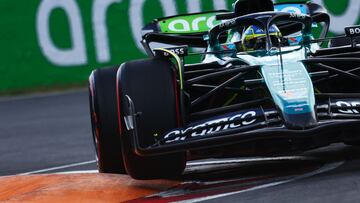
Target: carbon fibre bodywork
x,y
300,93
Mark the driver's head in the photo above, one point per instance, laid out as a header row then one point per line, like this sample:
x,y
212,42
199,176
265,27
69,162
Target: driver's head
x,y
254,38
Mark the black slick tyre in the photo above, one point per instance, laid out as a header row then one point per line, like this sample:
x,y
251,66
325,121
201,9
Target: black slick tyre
x,y
152,87
105,127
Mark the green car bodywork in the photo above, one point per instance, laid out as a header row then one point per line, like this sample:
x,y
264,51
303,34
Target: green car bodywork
x,y
281,68
285,76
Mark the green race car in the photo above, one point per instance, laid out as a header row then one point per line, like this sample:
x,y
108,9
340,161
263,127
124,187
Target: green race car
x,y
263,86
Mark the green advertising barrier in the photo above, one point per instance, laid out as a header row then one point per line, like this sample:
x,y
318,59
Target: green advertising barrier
x,y
56,43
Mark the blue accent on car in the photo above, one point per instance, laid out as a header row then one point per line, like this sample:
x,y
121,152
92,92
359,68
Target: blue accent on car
x,y
292,8
295,40
292,90
258,30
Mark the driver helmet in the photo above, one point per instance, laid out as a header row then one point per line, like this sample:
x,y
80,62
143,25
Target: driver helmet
x,y
254,38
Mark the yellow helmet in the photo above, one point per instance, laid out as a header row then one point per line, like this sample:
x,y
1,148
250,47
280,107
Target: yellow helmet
x,y
254,38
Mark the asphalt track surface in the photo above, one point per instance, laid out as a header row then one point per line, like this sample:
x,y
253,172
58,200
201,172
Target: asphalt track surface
x,y
44,131
51,133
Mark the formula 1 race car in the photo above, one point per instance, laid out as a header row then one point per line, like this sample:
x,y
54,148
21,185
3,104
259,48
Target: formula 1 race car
x,y
264,86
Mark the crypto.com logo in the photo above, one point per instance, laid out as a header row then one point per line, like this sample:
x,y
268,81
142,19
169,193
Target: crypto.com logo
x,y
76,55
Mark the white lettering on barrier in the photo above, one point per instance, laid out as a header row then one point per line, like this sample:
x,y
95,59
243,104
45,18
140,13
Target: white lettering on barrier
x,y
193,6
99,10
136,17
136,20
220,5
76,55
58,56
349,17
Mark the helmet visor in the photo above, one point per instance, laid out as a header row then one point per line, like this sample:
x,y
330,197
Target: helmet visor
x,y
259,43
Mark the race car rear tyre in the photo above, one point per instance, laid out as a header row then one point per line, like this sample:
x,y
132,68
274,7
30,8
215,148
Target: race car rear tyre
x,y
103,108
152,87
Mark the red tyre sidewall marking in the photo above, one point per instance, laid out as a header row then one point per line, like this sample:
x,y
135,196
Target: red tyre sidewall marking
x,y
96,122
118,100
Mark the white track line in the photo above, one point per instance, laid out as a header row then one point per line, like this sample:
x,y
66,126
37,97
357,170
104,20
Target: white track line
x,y
59,167
246,160
191,164
78,172
326,168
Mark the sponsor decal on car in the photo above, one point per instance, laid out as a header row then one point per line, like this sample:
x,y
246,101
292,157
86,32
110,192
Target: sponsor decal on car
x,y
352,31
297,10
228,23
298,16
197,23
180,51
213,126
347,107
292,8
